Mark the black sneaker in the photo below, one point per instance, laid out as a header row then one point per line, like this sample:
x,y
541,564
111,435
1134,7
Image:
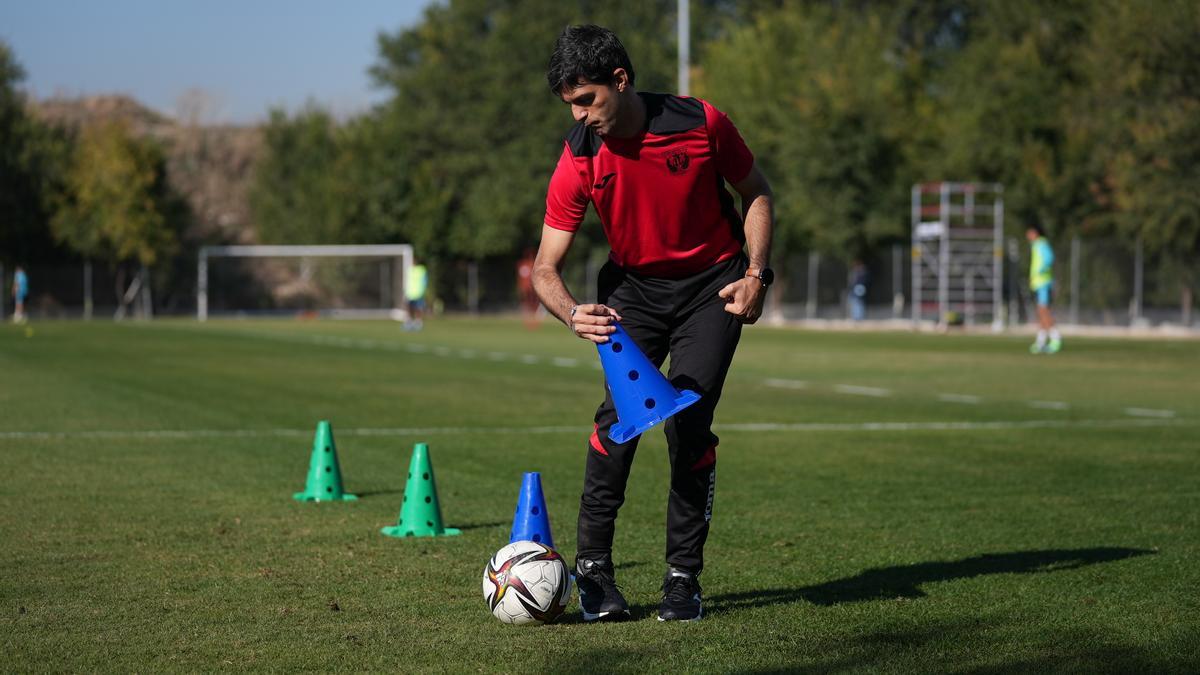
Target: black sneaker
x,y
681,597
599,596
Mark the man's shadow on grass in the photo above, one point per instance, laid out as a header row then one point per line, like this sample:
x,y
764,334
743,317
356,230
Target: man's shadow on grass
x,y
904,581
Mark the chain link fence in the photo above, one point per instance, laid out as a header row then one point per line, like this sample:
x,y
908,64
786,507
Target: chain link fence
x,y
1098,282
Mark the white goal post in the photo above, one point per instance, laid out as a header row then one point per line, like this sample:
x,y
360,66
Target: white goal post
x,y
401,252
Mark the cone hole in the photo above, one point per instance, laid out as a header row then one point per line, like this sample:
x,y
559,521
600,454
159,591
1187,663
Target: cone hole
x,y
327,448
537,538
410,475
428,499
405,499
617,347
329,489
425,475
410,533
649,403
328,469
633,375
429,523
535,510
400,522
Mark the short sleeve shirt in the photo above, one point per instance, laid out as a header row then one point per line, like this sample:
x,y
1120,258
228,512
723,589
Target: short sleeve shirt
x,y
660,195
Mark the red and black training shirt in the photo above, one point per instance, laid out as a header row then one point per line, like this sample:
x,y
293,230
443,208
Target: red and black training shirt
x,y
661,194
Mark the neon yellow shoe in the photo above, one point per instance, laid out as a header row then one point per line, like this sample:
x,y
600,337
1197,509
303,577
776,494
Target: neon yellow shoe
x,y
1054,346
1035,348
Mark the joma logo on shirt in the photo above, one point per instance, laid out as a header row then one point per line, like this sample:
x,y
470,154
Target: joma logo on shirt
x,y
677,162
604,181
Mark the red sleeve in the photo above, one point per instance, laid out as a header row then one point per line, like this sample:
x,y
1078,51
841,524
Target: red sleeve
x,y
566,202
734,159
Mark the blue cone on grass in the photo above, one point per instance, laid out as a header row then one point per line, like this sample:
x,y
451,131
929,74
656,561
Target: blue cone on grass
x,y
642,395
531,522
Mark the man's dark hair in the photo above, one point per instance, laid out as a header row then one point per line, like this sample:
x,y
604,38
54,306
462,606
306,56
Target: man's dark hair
x,y
586,54
1036,227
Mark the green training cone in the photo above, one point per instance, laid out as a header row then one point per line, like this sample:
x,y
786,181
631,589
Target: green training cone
x,y
324,475
420,514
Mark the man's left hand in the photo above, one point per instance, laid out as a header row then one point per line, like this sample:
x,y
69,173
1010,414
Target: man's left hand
x,y
744,299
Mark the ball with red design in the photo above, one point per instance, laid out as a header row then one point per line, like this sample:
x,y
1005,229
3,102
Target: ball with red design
x,y
526,583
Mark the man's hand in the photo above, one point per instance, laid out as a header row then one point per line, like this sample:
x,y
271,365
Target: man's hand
x,y
594,322
744,299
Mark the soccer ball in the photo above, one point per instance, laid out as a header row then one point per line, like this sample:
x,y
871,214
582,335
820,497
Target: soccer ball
x,y
526,583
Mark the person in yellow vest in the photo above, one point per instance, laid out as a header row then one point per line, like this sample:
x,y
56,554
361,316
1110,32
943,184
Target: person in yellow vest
x,y
1041,283
415,286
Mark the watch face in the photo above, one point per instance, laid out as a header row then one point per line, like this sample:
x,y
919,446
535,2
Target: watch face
x,y
767,276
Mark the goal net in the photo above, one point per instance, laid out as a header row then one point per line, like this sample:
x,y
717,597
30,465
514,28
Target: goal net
x,y
360,281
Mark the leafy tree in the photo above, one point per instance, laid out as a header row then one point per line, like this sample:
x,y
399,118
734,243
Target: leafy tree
x,y
998,107
292,197
1139,122
117,206
821,96
32,157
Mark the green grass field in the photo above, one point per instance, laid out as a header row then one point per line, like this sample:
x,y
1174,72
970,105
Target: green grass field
x,y
871,515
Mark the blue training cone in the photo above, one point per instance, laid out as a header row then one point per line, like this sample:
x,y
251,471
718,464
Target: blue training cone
x,y
642,395
531,521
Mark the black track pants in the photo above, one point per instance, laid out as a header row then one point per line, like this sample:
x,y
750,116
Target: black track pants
x,y
685,318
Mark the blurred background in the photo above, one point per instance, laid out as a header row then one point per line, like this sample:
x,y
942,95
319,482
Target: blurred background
x,y
132,134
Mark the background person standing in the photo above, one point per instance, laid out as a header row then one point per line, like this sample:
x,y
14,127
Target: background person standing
x,y
1041,283
20,293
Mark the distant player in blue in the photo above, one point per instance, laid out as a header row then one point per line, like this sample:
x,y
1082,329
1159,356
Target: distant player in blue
x,y
1041,283
20,292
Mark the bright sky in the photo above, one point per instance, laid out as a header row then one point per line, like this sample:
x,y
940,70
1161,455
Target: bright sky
x,y
247,55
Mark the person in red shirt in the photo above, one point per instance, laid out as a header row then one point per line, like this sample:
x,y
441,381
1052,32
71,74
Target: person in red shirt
x,y
687,269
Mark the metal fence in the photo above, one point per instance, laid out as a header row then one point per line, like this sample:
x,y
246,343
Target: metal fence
x,y
1102,282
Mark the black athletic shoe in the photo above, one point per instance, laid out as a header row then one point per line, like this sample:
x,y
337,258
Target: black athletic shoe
x,y
599,596
681,597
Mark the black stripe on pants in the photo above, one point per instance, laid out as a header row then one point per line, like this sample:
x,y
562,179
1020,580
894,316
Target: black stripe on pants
x,y
686,319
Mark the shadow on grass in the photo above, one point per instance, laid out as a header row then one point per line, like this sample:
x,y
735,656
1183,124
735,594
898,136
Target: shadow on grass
x,y
477,526
904,581
367,494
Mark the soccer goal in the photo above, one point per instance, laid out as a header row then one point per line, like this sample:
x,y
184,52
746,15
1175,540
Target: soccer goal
x,y
357,281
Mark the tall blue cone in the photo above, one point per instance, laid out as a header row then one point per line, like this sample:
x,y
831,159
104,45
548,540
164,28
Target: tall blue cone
x,y
642,395
531,521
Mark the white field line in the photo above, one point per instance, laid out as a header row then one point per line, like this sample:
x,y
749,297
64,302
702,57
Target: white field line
x,y
1150,412
855,390
564,362
785,384
959,398
851,427
1050,405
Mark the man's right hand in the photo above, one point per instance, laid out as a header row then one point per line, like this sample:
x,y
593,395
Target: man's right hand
x,y
594,322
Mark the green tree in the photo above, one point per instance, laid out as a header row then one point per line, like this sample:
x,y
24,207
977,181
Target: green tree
x,y
821,95
1138,122
998,107
117,206
292,196
32,158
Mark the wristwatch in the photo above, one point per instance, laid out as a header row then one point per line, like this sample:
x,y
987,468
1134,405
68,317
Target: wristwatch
x,y
765,276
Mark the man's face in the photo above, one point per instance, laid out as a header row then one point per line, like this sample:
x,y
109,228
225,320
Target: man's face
x,y
1031,234
596,105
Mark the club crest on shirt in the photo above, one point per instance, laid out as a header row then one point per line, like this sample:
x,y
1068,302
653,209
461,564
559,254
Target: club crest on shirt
x,y
678,161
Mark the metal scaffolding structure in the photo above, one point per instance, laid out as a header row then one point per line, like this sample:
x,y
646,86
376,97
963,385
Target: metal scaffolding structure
x,y
957,253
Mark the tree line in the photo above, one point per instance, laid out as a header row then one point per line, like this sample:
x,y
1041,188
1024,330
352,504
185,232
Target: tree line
x,y
1088,111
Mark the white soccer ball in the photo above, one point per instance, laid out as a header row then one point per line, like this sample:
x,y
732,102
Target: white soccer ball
x,y
526,583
